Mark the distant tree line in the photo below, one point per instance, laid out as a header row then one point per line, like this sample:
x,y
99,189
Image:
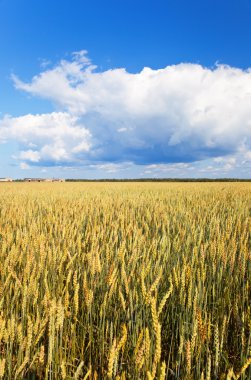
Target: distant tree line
x,y
162,180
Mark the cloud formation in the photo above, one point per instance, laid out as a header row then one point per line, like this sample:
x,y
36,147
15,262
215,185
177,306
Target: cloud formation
x,y
179,114
46,138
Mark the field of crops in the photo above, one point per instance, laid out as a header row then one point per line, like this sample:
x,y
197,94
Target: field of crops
x,y
125,281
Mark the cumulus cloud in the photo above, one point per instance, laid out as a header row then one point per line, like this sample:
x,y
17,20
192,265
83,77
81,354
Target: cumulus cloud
x,y
47,138
179,114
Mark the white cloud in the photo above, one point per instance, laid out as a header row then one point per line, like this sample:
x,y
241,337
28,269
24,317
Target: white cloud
x,y
179,114
112,167
24,166
55,137
30,155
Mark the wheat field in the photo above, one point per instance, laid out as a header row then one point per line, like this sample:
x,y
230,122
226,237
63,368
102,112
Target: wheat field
x,y
125,281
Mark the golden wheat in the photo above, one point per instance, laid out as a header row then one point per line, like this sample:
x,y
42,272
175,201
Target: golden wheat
x,y
125,281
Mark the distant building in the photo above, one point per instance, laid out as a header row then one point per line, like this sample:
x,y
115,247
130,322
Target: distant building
x,y
5,179
58,180
33,179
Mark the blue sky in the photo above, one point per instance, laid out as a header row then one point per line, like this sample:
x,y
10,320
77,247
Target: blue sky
x,y
94,89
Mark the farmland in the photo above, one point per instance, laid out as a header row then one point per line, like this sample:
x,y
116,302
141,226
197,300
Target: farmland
x,y
125,281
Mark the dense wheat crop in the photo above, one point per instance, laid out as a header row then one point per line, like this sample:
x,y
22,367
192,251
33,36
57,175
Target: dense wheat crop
x,y
125,281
